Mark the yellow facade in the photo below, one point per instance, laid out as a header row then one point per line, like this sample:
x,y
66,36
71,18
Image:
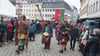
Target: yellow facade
x,y
84,9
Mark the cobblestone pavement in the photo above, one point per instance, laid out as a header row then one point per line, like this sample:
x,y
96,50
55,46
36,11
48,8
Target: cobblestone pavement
x,y
36,49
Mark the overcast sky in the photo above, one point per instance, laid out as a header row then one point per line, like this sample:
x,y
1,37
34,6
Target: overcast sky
x,y
76,3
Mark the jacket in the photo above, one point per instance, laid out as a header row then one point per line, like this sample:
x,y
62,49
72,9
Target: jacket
x,y
74,33
3,27
50,29
93,44
10,27
22,27
32,28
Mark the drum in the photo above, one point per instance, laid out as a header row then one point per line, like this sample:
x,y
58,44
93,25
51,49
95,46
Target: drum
x,y
45,38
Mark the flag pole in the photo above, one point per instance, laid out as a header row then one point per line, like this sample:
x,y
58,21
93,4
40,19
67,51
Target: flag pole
x,y
39,11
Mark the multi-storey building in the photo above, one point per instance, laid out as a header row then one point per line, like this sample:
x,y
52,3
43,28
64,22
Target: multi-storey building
x,y
47,8
74,13
84,8
31,10
93,8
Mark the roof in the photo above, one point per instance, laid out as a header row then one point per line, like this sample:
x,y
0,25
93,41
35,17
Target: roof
x,y
39,1
56,5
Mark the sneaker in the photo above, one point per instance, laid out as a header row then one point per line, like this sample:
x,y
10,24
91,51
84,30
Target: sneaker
x,y
17,52
45,48
61,51
9,41
22,48
65,49
70,48
73,49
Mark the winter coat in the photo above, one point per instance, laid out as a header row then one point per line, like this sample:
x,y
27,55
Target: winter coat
x,y
93,44
74,33
32,28
42,24
9,26
50,29
3,27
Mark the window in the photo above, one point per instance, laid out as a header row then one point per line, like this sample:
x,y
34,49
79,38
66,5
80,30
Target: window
x,y
91,8
50,10
53,9
94,7
50,15
32,10
53,15
32,14
45,15
42,9
32,5
31,1
46,10
97,6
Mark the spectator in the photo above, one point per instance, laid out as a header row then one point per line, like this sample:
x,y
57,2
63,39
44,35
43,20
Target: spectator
x,y
32,28
74,35
92,46
9,32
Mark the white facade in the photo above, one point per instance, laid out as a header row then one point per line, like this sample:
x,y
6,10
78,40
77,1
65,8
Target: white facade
x,y
67,14
48,13
31,10
74,13
93,8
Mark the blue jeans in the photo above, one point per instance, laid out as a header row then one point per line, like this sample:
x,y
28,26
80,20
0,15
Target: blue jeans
x,y
91,54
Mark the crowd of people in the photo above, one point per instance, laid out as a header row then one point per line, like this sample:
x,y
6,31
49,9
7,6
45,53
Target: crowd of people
x,y
20,30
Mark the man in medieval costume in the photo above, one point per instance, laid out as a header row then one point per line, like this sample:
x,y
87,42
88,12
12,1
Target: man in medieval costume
x,y
47,31
22,27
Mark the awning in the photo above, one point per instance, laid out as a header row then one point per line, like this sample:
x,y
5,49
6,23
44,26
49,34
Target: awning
x,y
94,15
7,8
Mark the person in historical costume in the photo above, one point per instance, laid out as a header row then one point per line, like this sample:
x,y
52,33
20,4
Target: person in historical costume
x,y
64,35
47,33
22,33
57,33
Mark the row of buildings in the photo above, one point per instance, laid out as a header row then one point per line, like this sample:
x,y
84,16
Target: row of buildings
x,y
90,9
46,9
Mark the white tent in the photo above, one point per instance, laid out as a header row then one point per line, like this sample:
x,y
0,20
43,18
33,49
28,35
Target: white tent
x,y
7,8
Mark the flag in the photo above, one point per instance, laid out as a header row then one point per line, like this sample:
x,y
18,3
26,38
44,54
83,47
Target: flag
x,y
59,15
57,12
